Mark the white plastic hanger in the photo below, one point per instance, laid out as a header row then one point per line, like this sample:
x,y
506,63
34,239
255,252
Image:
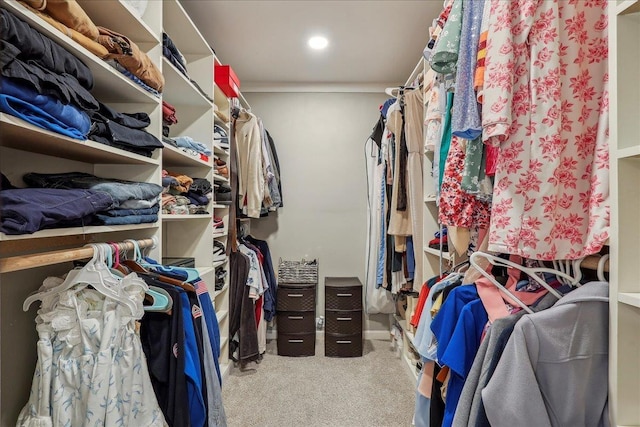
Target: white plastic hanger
x,y
529,271
601,264
473,260
94,273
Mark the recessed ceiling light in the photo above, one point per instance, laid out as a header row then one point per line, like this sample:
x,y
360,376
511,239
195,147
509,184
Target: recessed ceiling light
x,y
318,42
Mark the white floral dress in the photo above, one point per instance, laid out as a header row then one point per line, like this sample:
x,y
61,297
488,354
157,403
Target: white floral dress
x,y
546,106
91,370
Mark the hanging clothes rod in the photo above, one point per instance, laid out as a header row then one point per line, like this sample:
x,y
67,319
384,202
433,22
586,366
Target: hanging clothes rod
x,y
25,262
419,68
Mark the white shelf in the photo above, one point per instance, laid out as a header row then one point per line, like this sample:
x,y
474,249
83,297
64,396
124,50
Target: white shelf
x,y
205,270
18,134
223,234
172,156
430,200
59,232
224,368
222,123
223,342
630,152
630,298
183,32
217,264
221,315
110,85
411,365
217,206
219,150
169,217
436,252
119,16
178,89
217,293
408,334
628,6
219,178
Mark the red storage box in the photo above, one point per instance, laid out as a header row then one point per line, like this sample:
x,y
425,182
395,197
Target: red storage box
x,y
227,80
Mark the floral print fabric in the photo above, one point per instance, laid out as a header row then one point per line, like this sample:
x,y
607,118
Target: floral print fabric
x,y
91,369
546,107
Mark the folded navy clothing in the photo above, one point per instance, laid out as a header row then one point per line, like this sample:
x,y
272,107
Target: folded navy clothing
x,y
129,212
27,210
130,120
197,199
63,87
100,219
119,190
37,48
43,111
125,147
123,136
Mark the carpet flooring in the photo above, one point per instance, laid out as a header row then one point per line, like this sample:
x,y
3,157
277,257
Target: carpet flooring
x,y
375,390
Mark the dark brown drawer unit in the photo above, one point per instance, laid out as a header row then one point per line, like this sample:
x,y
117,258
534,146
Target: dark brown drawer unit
x,y
296,309
343,313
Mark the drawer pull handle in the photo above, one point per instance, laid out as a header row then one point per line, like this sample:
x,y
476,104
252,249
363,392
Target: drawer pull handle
x,y
295,317
345,295
296,341
344,319
343,342
295,295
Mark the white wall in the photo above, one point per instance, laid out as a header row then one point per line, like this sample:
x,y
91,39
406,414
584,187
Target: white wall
x,y
320,140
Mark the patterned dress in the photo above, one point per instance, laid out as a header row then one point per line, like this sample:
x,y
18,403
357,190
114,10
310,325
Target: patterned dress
x,y
546,106
91,369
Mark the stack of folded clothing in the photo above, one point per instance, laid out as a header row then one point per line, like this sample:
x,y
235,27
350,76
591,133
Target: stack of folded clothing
x,y
42,82
27,210
190,147
219,251
440,239
172,53
48,87
222,193
220,136
183,195
68,17
169,118
131,202
124,131
221,273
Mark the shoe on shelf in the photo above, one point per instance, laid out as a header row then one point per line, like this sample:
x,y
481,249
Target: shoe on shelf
x,y
218,222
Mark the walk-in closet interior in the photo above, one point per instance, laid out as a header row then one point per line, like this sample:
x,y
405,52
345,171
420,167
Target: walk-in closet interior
x,y
319,213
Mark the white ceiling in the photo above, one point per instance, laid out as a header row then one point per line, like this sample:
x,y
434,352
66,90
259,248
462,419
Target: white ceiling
x,y
372,44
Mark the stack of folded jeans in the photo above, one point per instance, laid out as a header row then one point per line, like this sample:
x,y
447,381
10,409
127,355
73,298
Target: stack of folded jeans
x,y
42,83
124,131
132,202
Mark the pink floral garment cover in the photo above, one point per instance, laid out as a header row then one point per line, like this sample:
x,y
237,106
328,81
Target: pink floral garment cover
x,y
546,106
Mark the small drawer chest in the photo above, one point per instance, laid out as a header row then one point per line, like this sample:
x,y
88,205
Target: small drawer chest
x,y
296,309
343,313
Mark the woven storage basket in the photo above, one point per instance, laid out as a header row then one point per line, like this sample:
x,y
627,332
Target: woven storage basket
x,y
298,271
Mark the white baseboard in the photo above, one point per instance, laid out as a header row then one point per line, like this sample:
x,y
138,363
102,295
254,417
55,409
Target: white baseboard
x,y
272,334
